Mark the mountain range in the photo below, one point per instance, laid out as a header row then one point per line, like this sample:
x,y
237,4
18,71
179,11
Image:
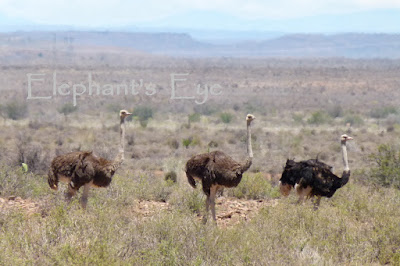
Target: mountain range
x,y
350,45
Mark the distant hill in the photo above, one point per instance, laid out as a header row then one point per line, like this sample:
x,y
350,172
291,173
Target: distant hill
x,y
351,45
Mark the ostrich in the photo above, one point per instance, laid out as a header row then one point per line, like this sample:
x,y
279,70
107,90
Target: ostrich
x,y
314,178
83,168
217,170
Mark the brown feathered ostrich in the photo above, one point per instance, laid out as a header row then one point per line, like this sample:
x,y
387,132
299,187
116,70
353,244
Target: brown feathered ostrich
x,y
83,168
314,178
217,170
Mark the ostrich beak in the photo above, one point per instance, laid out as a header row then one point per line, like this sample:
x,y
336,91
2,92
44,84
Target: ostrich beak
x,y
128,113
349,138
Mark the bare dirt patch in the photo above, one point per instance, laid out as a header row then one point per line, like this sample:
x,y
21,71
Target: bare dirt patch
x,y
11,203
230,211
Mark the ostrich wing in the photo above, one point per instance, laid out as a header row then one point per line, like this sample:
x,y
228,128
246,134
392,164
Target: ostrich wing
x,y
224,170
84,171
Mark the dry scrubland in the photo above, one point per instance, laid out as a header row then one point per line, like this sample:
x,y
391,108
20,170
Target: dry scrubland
x,y
147,216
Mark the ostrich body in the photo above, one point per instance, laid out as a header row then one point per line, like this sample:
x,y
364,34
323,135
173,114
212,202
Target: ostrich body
x,y
217,170
314,178
83,168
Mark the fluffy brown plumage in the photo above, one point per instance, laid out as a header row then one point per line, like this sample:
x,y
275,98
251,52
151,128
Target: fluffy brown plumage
x,y
217,170
314,178
83,168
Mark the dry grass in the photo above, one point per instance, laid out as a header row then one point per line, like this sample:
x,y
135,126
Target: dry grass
x,y
142,219
359,225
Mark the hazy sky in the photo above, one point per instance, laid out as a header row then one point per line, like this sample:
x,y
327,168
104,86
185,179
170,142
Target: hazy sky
x,y
94,13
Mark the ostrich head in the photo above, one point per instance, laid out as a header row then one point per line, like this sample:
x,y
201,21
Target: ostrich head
x,y
124,113
250,118
345,138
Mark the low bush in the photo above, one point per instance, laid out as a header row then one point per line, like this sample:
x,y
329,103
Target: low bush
x,y
67,109
254,187
335,111
386,171
15,110
383,112
143,114
319,118
354,120
226,118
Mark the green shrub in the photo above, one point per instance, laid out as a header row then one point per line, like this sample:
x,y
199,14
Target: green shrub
x,y
319,118
335,111
205,109
67,109
190,141
195,117
143,114
15,110
383,112
354,120
298,118
226,117
254,187
387,170
186,142
171,176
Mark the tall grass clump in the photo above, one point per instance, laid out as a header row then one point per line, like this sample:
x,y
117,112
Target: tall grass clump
x,y
14,182
254,187
157,189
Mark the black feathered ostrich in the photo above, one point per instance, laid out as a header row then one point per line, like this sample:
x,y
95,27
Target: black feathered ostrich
x,y
83,168
314,178
217,170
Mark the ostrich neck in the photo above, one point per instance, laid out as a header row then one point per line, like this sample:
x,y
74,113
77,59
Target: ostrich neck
x,y
344,154
121,156
246,165
249,148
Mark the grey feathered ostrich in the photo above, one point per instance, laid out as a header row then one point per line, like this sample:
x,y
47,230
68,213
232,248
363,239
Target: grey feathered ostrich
x,y
314,178
83,168
217,170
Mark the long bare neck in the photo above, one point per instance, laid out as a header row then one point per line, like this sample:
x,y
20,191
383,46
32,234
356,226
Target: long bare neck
x,y
249,159
344,155
249,147
121,151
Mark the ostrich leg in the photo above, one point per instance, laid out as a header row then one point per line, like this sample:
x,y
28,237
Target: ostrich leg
x,y
213,193
85,195
70,193
316,203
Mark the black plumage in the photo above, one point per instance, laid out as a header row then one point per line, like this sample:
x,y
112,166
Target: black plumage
x,y
313,177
